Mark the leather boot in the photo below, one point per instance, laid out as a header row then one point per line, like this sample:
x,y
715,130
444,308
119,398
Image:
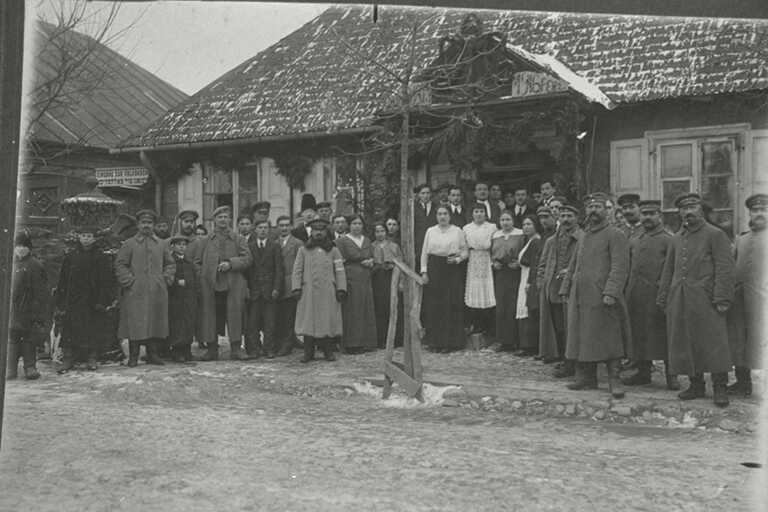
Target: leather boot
x,y
252,348
642,377
67,361
152,355
695,390
236,354
212,352
615,386
586,377
309,349
672,382
328,350
134,347
568,369
285,347
29,354
720,388
92,366
743,384
13,361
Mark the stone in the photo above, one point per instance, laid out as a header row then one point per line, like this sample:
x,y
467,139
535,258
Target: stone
x,y
486,399
570,409
729,425
474,404
622,410
560,409
517,404
502,401
455,393
599,415
450,403
647,416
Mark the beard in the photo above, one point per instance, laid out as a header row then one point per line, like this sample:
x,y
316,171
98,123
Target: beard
x,y
757,223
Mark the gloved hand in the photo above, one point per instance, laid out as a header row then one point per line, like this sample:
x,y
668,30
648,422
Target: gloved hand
x,y
341,295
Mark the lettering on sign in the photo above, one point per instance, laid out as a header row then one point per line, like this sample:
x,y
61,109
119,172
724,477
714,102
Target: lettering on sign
x,y
530,83
122,176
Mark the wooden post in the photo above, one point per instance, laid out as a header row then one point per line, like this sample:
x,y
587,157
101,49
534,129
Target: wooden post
x,y
391,328
11,59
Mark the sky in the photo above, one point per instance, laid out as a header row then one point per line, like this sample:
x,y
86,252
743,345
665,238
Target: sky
x,y
190,44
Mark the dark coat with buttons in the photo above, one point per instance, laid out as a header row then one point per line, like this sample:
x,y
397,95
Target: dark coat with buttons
x,y
266,273
30,298
697,276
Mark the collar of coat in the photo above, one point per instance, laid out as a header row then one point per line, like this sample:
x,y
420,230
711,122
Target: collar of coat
x,y
225,234
573,233
140,238
325,245
655,231
599,227
694,229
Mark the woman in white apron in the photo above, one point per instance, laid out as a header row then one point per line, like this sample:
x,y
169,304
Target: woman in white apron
x,y
478,293
527,295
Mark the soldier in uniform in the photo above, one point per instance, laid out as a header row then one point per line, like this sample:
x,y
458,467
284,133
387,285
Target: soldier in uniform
x,y
747,327
186,221
648,251
632,226
696,291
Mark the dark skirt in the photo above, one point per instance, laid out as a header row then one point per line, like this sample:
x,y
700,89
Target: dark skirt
x,y
444,301
357,309
529,330
506,283
382,291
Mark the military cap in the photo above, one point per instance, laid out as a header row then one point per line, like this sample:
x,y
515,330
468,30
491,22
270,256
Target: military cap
x,y
756,200
687,200
544,210
261,205
188,213
649,205
597,197
559,199
23,239
570,208
146,213
318,223
324,204
178,238
222,209
628,199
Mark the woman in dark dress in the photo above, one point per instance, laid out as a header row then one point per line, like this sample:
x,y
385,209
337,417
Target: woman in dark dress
x,y
444,249
358,308
385,251
505,246
528,297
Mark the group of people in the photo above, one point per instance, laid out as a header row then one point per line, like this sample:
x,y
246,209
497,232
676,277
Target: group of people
x,y
539,278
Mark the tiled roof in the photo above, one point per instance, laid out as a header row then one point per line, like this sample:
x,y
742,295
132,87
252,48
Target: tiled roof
x,y
125,100
311,81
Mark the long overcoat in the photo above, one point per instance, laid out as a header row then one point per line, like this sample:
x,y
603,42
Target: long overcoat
x,y
289,248
182,302
549,285
206,253
319,273
144,268
358,311
597,332
697,275
648,251
748,330
30,299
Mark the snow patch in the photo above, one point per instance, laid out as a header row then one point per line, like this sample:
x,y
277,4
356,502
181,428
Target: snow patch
x,y
433,395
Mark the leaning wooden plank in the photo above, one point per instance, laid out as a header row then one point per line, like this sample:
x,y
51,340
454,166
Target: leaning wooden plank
x,y
416,335
410,386
392,328
387,388
409,334
409,271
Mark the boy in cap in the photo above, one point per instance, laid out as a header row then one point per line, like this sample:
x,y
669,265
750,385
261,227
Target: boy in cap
x,y
696,291
29,309
83,295
182,302
748,330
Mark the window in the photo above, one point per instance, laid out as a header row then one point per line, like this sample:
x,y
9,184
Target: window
x,y
217,190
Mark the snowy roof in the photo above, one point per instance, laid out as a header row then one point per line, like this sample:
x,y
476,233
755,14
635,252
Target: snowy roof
x,y
318,79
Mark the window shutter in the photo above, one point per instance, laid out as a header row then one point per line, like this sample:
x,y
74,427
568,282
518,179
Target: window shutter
x,y
190,190
759,168
629,168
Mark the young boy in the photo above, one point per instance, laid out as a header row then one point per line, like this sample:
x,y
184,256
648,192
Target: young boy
x,y
182,302
29,309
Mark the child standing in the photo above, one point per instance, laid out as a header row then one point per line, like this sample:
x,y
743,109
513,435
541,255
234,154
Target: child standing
x,y
182,302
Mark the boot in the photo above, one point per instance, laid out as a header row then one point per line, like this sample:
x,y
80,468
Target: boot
x,y
743,384
720,388
695,390
615,386
642,377
235,354
92,366
586,377
309,350
212,352
568,369
152,356
672,382
285,348
178,354
252,348
13,361
134,347
68,360
29,354
328,350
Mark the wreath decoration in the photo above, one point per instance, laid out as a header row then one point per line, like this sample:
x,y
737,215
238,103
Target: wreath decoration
x,y
294,168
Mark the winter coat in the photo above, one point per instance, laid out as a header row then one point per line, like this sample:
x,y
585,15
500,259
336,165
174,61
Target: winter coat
x,y
531,260
266,272
748,336
648,251
30,298
319,274
144,268
183,302
597,332
85,289
358,310
549,286
697,275
206,253
289,248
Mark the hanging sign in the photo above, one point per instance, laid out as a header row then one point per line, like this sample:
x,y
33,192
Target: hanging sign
x,y
531,83
129,177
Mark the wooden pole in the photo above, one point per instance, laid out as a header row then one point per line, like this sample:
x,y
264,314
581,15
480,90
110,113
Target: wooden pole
x,y
11,59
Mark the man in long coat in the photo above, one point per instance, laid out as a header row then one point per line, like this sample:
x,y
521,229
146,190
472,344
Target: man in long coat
x,y
648,251
597,313
265,282
696,291
553,265
286,304
221,259
747,327
320,283
144,268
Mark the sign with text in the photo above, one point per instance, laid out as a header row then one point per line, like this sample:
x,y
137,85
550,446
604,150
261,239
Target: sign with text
x,y
531,83
130,177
